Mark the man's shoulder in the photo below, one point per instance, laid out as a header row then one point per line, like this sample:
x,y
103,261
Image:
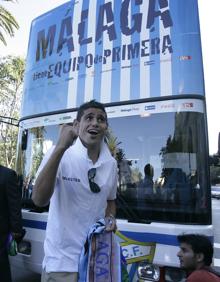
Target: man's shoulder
x,y
7,176
4,169
203,275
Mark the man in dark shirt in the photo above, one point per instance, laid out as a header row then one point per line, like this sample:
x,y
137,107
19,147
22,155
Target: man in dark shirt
x,y
10,217
145,188
195,255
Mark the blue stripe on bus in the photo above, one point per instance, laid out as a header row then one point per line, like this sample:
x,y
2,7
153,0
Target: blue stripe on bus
x,y
164,239
142,237
34,224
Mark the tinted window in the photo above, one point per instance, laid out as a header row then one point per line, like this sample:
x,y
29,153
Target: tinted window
x,y
162,161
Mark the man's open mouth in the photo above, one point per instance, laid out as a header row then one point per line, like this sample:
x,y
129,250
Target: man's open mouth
x,y
93,132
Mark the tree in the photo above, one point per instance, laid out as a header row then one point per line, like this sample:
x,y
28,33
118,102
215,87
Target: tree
x,y
11,81
7,23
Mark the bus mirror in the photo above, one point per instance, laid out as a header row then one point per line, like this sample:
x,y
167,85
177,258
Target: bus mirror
x,y
24,140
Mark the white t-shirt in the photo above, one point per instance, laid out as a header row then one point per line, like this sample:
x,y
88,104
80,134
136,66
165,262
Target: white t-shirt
x,y
73,207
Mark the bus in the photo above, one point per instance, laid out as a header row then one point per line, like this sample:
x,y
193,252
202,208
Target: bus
x,y
143,60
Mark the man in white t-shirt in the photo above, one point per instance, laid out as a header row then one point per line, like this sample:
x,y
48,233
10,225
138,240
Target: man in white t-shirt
x,y
79,178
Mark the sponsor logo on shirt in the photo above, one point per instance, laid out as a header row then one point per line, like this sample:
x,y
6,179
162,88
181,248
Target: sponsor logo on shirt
x,y
74,179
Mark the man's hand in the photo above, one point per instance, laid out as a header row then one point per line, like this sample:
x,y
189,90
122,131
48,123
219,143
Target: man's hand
x,y
68,134
110,222
18,236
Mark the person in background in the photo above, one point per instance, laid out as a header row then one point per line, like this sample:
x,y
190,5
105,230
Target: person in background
x,y
195,255
10,217
145,187
79,178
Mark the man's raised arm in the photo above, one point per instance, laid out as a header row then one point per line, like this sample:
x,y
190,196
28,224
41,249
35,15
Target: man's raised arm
x,y
45,182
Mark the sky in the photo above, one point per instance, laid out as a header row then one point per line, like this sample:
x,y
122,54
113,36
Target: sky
x,y
26,10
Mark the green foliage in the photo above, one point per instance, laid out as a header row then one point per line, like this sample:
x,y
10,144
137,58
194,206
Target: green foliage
x,y
215,174
11,81
7,23
113,143
37,149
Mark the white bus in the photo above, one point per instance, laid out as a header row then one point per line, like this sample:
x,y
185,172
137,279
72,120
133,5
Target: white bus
x,y
143,60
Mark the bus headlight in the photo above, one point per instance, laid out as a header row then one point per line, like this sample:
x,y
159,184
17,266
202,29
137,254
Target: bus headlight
x,y
148,271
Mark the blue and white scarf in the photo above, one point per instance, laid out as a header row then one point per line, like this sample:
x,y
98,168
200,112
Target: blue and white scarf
x,y
100,260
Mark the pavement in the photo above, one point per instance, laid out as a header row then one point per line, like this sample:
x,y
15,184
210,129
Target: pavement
x,y
22,275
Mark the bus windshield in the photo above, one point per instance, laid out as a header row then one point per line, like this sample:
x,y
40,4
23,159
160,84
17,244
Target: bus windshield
x,y
162,162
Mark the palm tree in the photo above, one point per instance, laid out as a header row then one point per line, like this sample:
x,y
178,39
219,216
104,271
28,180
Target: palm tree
x,y
7,23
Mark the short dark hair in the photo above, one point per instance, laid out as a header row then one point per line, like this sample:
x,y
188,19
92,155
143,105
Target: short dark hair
x,y
148,169
88,105
199,244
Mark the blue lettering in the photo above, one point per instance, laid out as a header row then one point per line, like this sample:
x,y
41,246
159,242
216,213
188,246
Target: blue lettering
x,y
89,60
133,50
116,54
80,60
102,245
105,23
106,9
101,271
102,258
107,53
42,42
155,46
136,250
66,27
50,72
66,70
58,68
152,14
167,44
144,51
125,252
137,18
81,29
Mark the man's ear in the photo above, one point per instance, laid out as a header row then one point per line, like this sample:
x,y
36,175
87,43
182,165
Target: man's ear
x,y
200,257
76,125
106,129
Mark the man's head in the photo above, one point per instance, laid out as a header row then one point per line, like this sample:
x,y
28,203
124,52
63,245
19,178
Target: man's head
x,y
93,124
149,170
196,251
88,105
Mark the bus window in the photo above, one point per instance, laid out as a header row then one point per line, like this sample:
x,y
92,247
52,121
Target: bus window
x,y
38,141
173,143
